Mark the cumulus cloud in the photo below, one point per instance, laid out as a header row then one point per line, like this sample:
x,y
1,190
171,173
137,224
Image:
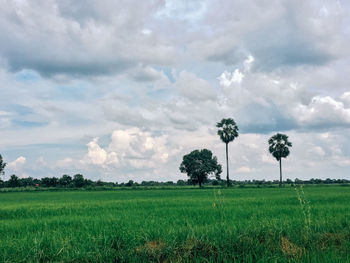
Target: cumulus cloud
x,y
227,78
17,164
323,112
128,148
98,156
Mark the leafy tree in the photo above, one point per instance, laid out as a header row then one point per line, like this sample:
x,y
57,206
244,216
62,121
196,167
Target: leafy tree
x,y
199,165
65,180
27,181
13,181
78,180
130,183
215,182
181,182
49,181
279,148
228,131
2,165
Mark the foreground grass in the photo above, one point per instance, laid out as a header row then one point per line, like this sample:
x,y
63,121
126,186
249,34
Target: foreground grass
x,y
180,225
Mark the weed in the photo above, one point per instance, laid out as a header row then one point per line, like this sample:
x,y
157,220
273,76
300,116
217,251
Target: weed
x,y
305,207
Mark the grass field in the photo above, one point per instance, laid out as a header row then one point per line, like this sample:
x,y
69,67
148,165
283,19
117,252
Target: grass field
x,y
180,225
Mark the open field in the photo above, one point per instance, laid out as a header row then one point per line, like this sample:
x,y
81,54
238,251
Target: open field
x,y
200,225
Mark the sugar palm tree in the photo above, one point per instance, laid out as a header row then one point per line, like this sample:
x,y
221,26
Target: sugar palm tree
x,y
228,131
279,148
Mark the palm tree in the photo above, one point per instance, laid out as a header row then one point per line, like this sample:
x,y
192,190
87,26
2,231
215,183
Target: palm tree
x,y
228,131
278,147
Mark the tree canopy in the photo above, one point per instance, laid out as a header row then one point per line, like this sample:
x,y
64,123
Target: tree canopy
x,y
279,146
199,164
2,165
228,130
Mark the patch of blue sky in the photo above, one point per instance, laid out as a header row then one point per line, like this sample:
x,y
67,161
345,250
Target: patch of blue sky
x,y
26,75
182,9
208,71
50,152
160,95
76,92
18,109
28,124
167,72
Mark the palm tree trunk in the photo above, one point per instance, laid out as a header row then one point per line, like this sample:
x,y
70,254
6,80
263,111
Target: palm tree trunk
x,y
280,172
227,174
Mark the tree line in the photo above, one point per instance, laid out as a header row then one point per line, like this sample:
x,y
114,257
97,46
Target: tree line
x,y
78,181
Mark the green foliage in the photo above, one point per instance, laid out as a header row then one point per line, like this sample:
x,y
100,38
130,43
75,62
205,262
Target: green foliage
x,y
199,164
182,225
49,181
279,146
65,180
130,183
228,130
14,181
78,180
2,166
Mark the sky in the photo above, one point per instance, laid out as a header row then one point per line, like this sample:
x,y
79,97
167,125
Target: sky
x,y
120,90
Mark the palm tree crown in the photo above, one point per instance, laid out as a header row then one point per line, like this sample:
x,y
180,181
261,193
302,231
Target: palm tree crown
x,y
228,130
279,146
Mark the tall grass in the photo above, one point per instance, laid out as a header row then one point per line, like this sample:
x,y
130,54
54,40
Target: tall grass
x,y
182,225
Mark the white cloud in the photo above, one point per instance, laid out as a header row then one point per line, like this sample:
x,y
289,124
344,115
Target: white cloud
x,y
17,164
244,169
227,78
95,155
323,111
128,148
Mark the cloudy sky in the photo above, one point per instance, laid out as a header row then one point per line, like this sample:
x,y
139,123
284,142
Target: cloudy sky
x,y
120,90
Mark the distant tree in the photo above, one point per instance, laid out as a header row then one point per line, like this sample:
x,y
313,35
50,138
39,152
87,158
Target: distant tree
x,y
13,181
99,183
78,180
130,183
65,180
199,165
2,166
88,182
26,181
180,182
289,181
215,182
279,148
49,181
228,131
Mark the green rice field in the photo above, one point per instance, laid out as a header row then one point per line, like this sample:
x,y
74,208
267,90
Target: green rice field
x,y
310,224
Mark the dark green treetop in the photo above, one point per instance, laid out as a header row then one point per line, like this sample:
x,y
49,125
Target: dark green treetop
x,y
199,164
228,130
279,146
2,165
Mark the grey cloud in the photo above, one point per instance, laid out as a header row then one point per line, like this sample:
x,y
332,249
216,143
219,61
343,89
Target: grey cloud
x,y
38,37
147,74
276,33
